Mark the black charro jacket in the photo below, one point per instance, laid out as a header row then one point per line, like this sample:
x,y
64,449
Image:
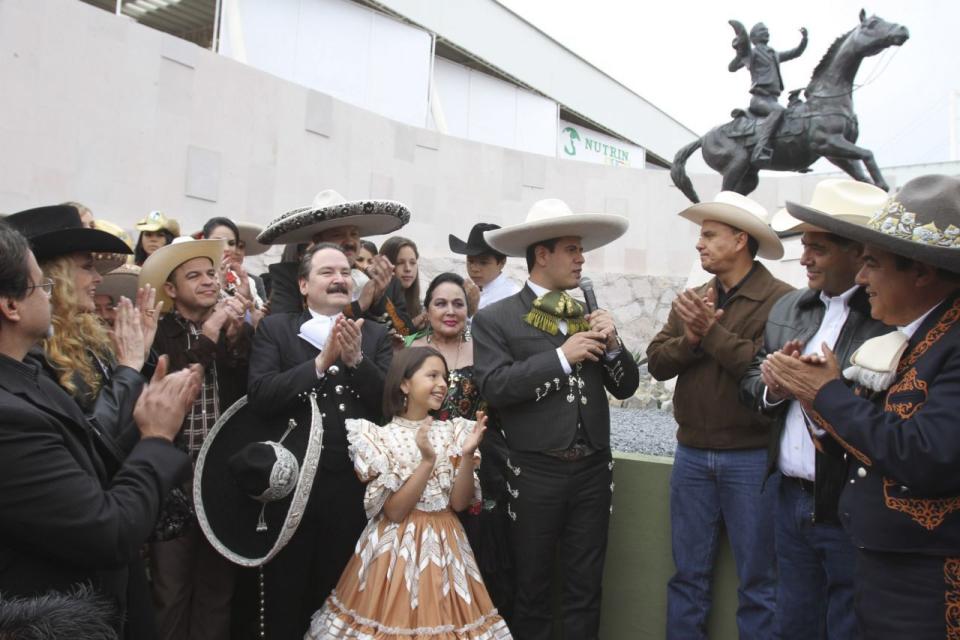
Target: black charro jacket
x,y
903,491
797,316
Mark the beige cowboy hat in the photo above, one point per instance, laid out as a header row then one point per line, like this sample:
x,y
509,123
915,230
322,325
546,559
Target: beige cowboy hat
x,y
161,263
122,281
848,200
155,221
553,218
248,236
104,263
330,209
741,212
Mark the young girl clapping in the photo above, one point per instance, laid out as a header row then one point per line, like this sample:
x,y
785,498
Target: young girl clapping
x,y
413,573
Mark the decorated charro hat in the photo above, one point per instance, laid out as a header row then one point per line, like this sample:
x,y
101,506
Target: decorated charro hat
x,y
920,222
160,264
253,479
104,263
475,244
731,208
330,209
843,199
156,220
553,218
57,231
248,236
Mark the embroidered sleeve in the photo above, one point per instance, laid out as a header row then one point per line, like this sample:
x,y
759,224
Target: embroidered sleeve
x,y
372,464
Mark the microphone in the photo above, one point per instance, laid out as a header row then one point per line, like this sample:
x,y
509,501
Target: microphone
x,y
586,285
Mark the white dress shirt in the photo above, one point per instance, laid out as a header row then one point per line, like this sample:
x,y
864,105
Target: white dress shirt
x,y
497,289
797,452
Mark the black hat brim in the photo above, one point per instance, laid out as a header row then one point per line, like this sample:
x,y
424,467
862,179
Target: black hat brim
x,y
61,242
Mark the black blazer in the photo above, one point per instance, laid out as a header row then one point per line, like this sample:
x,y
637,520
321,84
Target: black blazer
x,y
521,378
282,368
63,521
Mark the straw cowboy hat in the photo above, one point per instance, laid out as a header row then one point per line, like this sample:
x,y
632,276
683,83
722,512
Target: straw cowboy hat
x,y
920,222
107,262
253,480
122,281
329,210
57,231
844,199
248,236
161,263
475,244
553,218
741,212
155,221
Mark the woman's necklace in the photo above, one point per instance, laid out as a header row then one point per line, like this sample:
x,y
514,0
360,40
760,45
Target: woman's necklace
x,y
444,351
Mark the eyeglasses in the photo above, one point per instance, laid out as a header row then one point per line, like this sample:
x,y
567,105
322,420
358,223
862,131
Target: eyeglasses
x,y
47,286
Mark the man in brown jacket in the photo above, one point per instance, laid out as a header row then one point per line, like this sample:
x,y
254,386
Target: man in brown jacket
x,y
711,336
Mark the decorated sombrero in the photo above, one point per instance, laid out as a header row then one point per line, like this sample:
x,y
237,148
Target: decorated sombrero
x,y
57,231
329,210
920,222
253,479
160,264
553,218
735,210
848,200
155,221
107,262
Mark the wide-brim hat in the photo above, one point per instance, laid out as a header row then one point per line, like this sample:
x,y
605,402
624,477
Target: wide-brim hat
x,y
475,244
104,263
731,208
227,514
57,231
156,220
848,200
329,210
122,281
160,264
248,235
553,218
920,222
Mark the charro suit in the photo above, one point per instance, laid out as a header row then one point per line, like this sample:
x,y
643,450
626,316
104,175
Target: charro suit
x,y
282,369
555,501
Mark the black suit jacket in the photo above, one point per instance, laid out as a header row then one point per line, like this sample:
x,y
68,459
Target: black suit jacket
x,y
63,521
520,376
282,369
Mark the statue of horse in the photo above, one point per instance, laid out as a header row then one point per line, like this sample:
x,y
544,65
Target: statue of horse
x,y
825,125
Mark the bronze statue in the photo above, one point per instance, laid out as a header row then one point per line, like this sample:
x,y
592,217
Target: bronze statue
x,y
763,62
824,125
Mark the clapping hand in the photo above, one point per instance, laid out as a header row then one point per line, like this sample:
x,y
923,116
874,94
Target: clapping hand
x,y
698,314
423,441
802,376
149,310
129,345
473,440
165,401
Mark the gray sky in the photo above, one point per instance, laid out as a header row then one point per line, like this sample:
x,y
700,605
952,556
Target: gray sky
x,y
675,54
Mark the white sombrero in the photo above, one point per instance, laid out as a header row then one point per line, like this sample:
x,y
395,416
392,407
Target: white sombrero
x,y
843,199
161,263
248,235
329,210
552,218
741,212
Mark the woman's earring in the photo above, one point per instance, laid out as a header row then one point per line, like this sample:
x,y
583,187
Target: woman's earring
x,y
404,402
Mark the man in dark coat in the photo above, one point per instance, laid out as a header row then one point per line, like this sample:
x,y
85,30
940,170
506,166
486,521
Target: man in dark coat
x,y
895,412
63,521
545,367
345,361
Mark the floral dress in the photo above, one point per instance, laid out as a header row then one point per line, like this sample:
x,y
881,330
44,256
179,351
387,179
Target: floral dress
x,y
416,578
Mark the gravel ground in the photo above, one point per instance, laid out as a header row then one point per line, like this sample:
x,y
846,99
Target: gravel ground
x,y
649,431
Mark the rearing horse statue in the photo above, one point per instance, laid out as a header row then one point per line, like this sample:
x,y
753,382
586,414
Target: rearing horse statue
x,y
825,125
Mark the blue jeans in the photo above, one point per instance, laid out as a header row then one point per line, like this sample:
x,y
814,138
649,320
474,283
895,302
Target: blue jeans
x,y
710,489
817,564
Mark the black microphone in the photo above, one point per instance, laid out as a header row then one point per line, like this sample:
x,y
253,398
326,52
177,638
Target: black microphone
x,y
586,285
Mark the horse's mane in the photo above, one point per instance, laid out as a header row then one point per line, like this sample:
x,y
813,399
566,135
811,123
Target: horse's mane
x,y
829,55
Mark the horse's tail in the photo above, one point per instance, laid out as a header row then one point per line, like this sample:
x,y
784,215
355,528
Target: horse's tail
x,y
678,172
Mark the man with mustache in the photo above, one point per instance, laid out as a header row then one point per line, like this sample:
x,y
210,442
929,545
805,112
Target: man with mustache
x,y
344,362
815,557
192,584
377,294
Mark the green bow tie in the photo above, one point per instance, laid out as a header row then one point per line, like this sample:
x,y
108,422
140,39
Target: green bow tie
x,y
549,309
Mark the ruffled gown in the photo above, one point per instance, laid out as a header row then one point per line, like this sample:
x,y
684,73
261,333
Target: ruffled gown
x,y
416,578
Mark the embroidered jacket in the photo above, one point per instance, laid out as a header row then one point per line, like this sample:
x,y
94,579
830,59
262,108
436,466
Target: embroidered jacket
x,y
903,447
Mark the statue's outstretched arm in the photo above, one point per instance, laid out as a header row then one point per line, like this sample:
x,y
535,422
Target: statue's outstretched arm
x,y
740,44
795,53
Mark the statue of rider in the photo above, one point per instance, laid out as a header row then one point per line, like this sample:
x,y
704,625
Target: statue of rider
x,y
767,84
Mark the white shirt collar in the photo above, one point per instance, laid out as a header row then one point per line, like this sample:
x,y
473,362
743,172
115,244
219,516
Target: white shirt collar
x,y
843,297
537,289
911,328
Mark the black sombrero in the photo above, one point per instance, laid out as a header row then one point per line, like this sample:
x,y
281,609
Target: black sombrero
x,y
253,480
920,222
57,230
475,244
